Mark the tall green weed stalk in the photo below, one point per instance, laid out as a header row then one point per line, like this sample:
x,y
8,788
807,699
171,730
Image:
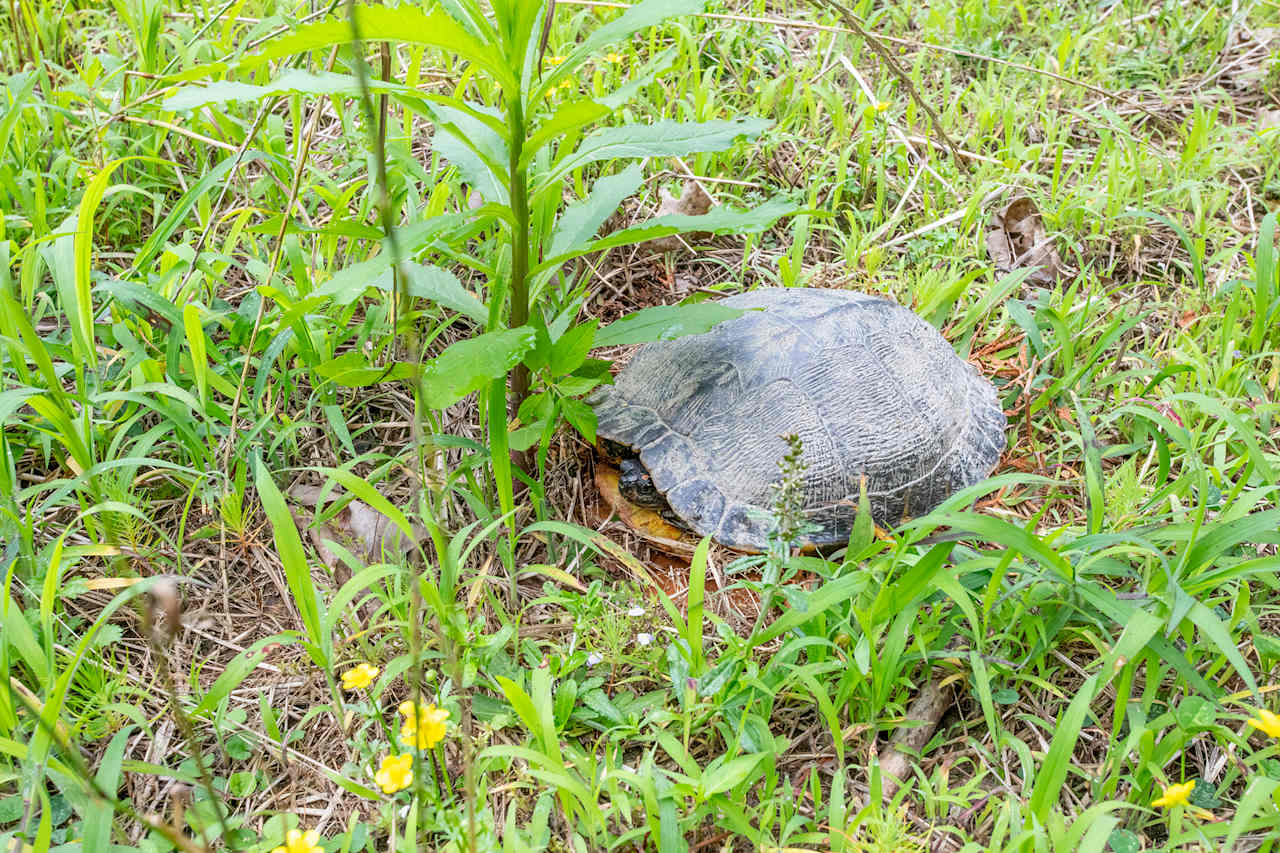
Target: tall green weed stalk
x,y
515,133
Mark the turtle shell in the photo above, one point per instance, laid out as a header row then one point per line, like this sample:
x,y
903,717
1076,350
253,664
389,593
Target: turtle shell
x,y
871,389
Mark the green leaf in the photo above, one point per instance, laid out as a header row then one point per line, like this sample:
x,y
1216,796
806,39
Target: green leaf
x,y
660,139
722,220
400,25
1053,772
1124,841
581,417
1255,798
665,323
99,814
296,570
195,345
729,774
471,364
292,81
472,145
353,370
827,596
1213,629
569,116
443,287
580,222
570,349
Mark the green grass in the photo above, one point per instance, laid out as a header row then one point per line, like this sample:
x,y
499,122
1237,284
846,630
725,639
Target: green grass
x,y
180,348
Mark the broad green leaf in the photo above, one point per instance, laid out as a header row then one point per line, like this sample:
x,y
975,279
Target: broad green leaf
x,y
500,450
570,349
581,417
353,370
730,773
912,585
1225,536
237,671
570,116
665,323
12,400
660,139
484,177
349,283
443,287
472,145
13,111
580,222
471,364
98,814
424,281
399,25
721,220
291,81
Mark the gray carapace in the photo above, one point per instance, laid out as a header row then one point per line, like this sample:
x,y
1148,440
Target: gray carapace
x,y
871,389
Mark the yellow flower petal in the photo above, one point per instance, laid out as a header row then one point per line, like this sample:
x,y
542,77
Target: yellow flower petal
x,y
1174,795
395,773
1266,722
425,728
359,677
297,841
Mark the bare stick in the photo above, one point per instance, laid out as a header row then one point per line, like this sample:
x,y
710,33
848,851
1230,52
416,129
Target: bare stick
x,y
921,720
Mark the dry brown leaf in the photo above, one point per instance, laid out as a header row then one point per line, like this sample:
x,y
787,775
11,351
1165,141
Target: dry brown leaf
x,y
358,527
1016,239
693,201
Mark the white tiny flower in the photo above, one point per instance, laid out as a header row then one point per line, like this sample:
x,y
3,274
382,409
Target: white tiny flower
x,y
644,638
635,611
594,658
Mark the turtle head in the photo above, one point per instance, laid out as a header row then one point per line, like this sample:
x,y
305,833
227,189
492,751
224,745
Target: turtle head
x,y
635,484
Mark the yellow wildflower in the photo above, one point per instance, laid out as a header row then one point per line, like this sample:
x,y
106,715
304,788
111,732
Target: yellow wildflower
x,y
881,106
565,84
553,61
359,677
1174,795
1266,722
395,773
424,726
297,841
613,57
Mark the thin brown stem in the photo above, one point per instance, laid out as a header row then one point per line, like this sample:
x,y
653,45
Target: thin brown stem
x,y
887,57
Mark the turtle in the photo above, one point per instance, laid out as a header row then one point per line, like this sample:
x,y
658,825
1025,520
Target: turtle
x,y
876,395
